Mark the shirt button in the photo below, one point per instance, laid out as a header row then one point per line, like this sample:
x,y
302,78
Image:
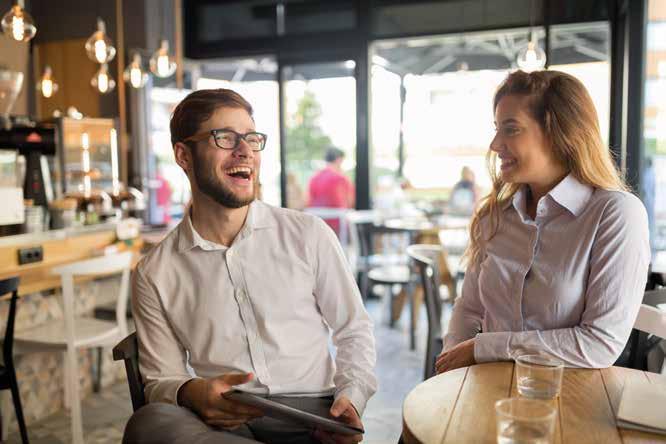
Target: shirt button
x,y
230,253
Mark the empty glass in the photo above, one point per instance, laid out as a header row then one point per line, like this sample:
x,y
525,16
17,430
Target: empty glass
x,y
524,421
539,376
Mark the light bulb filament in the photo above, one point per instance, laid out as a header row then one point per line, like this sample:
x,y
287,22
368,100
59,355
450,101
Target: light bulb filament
x,y
103,82
18,28
47,88
163,65
135,77
100,50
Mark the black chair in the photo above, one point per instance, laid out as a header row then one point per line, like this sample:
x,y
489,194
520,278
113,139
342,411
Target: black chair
x,y
7,371
426,258
640,343
128,350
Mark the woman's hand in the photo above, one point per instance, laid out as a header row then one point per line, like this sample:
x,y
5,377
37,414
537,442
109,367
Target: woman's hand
x,y
462,355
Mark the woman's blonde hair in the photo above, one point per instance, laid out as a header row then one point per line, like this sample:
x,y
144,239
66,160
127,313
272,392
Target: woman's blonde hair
x,y
564,110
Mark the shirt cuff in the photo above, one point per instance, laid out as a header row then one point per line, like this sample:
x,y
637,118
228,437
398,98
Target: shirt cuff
x,y
355,395
490,347
165,390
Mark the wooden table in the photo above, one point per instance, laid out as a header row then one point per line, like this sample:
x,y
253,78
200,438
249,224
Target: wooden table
x,y
459,406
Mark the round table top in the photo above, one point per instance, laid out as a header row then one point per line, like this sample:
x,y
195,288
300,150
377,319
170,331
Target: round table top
x,y
459,406
421,224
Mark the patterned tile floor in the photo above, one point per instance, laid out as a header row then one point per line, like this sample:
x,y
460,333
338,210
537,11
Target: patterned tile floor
x,y
398,370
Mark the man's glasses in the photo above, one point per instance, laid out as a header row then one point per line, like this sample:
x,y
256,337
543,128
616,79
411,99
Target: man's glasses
x,y
227,139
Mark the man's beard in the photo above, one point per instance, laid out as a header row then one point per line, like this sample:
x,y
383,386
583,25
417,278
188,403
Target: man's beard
x,y
209,184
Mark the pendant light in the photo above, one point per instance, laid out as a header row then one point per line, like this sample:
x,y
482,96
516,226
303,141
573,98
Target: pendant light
x,y
532,57
103,82
161,63
134,73
99,46
47,85
18,24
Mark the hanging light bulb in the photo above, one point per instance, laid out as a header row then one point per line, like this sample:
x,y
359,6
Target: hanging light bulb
x,y
161,63
532,57
47,85
18,24
134,73
102,81
99,46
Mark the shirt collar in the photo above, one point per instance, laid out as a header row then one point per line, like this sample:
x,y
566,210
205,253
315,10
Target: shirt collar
x,y
259,217
569,194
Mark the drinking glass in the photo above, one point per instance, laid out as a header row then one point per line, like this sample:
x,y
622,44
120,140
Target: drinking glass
x,y
524,421
539,376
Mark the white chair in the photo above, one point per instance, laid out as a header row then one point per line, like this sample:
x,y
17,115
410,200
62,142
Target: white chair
x,y
339,214
649,330
651,320
72,333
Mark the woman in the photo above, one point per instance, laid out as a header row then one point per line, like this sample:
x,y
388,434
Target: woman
x,y
559,249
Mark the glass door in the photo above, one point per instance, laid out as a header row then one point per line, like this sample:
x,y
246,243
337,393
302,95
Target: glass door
x,y
319,124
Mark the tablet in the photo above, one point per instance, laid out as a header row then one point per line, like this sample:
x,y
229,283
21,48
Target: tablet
x,y
282,411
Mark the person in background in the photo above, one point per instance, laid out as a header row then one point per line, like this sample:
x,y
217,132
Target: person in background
x,y
465,193
163,197
559,249
243,294
330,188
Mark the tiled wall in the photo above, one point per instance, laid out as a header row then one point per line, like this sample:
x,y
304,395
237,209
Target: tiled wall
x,y
40,375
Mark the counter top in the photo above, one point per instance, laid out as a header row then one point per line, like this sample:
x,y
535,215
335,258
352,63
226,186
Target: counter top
x,y
63,233
59,247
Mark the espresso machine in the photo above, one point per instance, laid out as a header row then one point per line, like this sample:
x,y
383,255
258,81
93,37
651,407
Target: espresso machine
x,y
26,204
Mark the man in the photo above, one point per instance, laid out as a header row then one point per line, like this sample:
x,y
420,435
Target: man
x,y
330,188
246,294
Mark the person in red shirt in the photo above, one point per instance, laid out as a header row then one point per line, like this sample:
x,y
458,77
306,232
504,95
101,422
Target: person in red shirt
x,y
330,188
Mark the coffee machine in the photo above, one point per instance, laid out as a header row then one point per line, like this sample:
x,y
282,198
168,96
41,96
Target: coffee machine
x,y
34,142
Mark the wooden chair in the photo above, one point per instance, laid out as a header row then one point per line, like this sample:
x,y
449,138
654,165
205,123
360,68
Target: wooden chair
x,y
7,371
72,333
128,350
427,258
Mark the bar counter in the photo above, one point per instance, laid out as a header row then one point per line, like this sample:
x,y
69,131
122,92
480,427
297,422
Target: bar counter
x,y
40,375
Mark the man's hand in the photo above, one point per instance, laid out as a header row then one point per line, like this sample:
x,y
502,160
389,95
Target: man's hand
x,y
342,409
462,355
204,397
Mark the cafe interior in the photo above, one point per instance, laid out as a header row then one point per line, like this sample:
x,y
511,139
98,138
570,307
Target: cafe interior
x,y
401,90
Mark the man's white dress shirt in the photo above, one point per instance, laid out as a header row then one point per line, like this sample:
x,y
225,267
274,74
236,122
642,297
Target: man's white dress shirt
x,y
267,305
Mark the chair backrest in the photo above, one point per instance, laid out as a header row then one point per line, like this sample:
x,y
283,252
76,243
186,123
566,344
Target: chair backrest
x,y
426,258
355,219
340,214
109,264
9,286
651,320
128,350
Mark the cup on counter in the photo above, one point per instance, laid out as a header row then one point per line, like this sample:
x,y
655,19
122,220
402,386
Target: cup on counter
x,y
525,421
539,376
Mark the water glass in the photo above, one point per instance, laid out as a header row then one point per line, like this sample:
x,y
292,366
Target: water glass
x,y
539,376
524,421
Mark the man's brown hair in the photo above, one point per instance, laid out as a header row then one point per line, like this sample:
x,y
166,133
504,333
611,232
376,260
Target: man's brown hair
x,y
198,106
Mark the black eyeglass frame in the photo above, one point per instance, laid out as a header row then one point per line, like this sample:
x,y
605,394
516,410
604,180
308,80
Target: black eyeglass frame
x,y
239,136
